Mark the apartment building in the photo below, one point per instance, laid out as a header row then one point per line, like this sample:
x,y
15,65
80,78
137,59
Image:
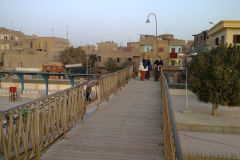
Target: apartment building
x,y
20,50
225,32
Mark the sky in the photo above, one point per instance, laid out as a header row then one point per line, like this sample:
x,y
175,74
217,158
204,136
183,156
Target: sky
x,y
121,21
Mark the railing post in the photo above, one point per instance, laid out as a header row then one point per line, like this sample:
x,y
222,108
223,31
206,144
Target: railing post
x,y
2,140
98,95
64,115
36,130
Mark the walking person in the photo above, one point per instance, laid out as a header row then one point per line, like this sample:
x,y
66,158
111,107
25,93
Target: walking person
x,y
158,65
149,64
143,68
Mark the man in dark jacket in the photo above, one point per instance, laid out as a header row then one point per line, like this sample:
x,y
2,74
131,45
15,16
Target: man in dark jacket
x,y
158,65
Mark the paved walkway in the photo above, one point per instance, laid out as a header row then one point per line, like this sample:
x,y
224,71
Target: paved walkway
x,y
128,127
5,104
205,145
201,112
211,145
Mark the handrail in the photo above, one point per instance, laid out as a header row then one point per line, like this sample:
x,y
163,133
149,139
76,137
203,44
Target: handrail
x,y
172,145
28,129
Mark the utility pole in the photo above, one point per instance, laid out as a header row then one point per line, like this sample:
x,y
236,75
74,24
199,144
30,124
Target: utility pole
x,y
186,92
87,66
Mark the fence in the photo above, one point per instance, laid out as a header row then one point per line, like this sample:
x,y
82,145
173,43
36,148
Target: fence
x,y
29,128
172,146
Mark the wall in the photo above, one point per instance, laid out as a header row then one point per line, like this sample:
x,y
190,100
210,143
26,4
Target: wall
x,y
230,33
12,60
147,48
176,48
218,35
36,86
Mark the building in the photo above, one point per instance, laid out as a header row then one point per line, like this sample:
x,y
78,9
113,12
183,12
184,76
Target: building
x,y
225,32
110,49
20,50
189,47
149,45
167,46
201,42
89,49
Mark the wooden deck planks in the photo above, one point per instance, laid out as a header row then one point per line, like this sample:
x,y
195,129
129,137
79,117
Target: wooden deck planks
x,y
128,127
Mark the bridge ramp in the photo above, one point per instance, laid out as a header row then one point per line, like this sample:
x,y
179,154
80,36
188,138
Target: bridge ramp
x,y
128,127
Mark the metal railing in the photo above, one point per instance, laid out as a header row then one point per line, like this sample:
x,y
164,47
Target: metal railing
x,y
172,147
28,129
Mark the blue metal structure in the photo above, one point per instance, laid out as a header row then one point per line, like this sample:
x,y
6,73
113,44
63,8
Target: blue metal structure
x,y
45,76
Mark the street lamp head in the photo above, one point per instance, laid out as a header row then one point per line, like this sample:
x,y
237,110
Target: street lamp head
x,y
148,21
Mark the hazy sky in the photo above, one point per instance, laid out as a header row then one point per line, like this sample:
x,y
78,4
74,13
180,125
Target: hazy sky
x,y
92,21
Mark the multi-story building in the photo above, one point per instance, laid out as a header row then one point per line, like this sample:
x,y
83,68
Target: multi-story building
x,y
176,52
201,42
89,49
149,45
19,50
109,49
146,47
167,45
225,32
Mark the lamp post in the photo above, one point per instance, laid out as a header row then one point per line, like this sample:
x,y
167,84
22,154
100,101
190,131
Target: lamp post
x,y
148,21
186,91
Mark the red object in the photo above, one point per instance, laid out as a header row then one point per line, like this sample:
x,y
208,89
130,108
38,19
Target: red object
x,y
173,55
160,49
13,89
53,69
143,74
173,50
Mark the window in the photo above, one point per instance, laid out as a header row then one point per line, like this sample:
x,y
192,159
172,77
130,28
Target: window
x,y
160,49
99,58
118,59
179,62
5,37
222,40
236,38
173,50
217,41
179,50
173,63
11,37
20,64
31,45
45,44
197,38
39,46
129,59
148,49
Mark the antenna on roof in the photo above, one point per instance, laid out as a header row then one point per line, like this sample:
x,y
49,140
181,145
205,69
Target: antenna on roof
x,y
67,32
12,26
52,32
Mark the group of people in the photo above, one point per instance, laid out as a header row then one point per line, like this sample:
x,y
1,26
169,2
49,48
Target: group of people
x,y
146,67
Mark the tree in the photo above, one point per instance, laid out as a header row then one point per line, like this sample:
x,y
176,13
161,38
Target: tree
x,y
126,64
92,60
73,55
111,65
215,76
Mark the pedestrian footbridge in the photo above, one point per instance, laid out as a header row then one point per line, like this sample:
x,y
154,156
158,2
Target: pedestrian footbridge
x,y
123,119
